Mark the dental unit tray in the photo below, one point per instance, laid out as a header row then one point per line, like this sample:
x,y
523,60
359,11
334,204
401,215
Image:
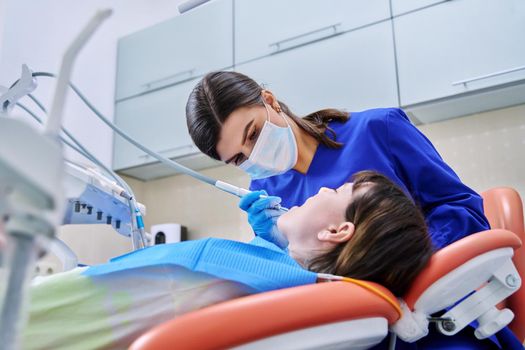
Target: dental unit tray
x,y
92,199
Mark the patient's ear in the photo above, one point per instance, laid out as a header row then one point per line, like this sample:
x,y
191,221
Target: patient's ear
x,y
337,235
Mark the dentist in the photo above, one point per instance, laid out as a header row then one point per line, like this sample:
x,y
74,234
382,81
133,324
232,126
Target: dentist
x,y
233,119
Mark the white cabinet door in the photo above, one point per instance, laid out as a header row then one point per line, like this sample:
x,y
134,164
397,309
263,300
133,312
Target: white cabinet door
x,y
403,6
158,121
182,48
353,71
265,27
459,46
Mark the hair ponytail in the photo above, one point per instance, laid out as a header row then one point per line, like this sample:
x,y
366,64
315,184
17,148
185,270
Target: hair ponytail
x,y
316,124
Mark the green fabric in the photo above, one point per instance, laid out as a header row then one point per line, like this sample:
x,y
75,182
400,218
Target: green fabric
x,y
73,304
73,311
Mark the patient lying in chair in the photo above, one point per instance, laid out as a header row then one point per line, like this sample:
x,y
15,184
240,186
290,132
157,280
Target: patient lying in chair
x,y
368,229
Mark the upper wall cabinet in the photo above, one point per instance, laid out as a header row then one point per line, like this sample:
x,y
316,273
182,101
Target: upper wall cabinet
x,y
460,47
266,27
403,6
352,71
157,120
176,50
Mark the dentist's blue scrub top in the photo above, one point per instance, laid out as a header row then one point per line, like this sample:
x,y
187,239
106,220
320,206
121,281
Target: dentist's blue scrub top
x,y
386,141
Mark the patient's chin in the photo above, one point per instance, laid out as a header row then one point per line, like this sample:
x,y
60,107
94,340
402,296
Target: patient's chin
x,y
282,223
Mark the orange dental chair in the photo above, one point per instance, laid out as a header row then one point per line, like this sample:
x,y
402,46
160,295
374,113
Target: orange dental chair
x,y
350,316
504,210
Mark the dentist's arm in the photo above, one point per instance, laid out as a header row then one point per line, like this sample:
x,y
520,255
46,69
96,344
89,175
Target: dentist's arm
x,y
451,208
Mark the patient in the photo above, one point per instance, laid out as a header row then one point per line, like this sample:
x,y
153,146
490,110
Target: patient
x,y
368,229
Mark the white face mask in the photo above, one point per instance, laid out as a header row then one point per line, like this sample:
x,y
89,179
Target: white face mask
x,y
274,153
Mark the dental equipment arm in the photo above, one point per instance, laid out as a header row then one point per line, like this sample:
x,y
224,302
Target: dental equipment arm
x,y
226,187
31,196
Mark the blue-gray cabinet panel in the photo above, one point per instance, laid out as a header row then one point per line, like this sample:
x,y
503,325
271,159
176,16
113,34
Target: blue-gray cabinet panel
x,y
353,71
179,49
403,6
158,121
460,47
265,27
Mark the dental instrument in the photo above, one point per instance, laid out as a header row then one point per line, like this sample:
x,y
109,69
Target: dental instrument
x,y
224,186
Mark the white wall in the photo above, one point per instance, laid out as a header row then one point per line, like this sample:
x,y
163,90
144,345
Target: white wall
x,y
2,18
38,32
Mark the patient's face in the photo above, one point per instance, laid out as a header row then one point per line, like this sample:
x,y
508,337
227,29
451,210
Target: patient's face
x,y
301,225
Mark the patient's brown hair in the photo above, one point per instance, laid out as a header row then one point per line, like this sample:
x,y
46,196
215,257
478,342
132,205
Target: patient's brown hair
x,y
390,244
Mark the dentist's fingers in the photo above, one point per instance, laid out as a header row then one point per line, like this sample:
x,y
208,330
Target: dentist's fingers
x,y
247,200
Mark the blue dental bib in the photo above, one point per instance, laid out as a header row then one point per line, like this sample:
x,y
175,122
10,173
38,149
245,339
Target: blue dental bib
x,y
259,264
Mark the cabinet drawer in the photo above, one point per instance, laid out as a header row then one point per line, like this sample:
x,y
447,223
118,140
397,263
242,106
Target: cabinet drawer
x,y
158,121
353,71
182,48
458,47
266,27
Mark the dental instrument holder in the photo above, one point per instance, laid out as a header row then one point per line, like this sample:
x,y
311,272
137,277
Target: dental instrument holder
x,y
92,197
23,87
31,193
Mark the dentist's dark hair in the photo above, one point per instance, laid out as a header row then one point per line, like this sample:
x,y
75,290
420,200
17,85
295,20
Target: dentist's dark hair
x,y
218,94
390,244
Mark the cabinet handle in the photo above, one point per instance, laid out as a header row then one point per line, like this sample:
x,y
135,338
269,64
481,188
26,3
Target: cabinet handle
x,y
188,72
334,31
146,156
481,77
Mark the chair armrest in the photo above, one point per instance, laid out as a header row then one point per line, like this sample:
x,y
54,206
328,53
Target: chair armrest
x,y
458,253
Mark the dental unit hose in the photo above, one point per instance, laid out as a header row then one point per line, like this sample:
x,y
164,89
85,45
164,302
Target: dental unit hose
x,y
325,277
138,234
226,187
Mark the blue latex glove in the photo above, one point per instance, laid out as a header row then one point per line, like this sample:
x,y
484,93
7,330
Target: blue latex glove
x,y
263,215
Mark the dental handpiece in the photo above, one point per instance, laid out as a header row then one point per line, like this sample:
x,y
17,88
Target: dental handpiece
x,y
240,192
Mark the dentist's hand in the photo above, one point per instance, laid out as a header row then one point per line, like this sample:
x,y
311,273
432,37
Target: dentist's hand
x,y
262,216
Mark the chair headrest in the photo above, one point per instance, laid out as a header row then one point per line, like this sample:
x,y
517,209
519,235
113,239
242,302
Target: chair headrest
x,y
503,208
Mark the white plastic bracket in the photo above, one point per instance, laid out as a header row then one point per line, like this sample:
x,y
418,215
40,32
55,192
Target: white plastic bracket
x,y
24,86
481,305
